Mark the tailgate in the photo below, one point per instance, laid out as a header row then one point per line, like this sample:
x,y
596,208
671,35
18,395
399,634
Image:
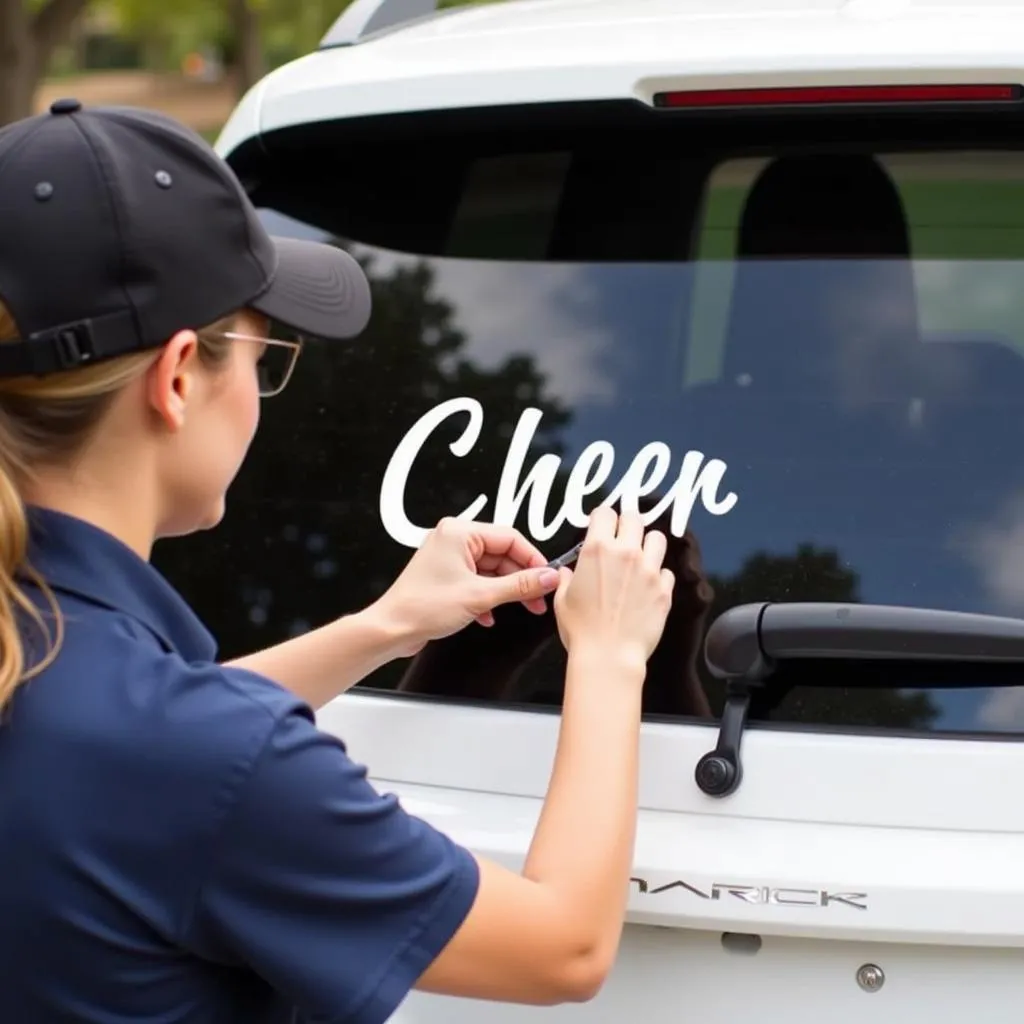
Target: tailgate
x,y
840,862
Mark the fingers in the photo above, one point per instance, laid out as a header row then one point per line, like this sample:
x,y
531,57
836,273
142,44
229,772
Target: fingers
x,y
602,527
502,550
515,570
489,541
631,530
528,586
502,565
655,548
625,528
498,565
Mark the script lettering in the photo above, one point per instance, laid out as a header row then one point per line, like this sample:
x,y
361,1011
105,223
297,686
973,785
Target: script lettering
x,y
694,479
396,476
697,479
538,482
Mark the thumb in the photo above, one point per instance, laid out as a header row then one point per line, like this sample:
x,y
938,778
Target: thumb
x,y
526,585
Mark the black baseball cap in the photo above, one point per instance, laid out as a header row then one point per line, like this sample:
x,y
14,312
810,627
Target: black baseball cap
x,y
120,226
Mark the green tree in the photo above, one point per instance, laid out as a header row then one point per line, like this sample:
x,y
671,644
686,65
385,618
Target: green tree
x,y
30,32
252,35
168,29
172,28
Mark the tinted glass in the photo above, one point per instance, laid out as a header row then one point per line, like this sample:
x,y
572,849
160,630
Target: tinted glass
x,y
807,369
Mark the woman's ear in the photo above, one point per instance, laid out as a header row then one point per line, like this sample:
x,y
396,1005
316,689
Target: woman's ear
x,y
170,381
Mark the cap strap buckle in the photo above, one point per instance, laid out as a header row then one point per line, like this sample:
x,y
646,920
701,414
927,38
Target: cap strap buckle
x,y
65,347
74,345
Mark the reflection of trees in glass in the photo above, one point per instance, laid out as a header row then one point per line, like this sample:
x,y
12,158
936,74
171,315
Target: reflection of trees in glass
x,y
815,574
302,541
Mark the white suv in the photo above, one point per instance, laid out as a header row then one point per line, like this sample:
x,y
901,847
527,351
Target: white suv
x,y
756,266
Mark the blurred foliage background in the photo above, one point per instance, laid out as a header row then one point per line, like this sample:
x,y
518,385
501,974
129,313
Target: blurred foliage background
x,y
191,57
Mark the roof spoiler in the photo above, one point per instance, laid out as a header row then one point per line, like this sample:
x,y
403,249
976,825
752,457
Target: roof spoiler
x,y
364,17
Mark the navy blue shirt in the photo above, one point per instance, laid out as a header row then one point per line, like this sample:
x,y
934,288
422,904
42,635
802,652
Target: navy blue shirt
x,y
180,843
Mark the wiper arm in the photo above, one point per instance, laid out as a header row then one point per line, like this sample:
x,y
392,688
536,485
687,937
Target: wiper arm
x,y
748,639
824,644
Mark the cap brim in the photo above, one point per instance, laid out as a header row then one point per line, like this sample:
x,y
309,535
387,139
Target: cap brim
x,y
318,290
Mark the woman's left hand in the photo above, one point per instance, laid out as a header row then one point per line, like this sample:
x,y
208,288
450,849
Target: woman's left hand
x,y
461,572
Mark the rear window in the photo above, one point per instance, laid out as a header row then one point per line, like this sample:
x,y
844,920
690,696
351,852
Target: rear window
x,y
806,365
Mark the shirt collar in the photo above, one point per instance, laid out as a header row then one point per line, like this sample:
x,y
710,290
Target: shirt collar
x,y
78,558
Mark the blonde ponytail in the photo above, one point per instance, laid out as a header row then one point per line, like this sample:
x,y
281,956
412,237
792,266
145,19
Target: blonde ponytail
x,y
15,638
44,421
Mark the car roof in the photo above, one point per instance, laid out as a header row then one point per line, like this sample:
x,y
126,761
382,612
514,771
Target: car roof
x,y
536,51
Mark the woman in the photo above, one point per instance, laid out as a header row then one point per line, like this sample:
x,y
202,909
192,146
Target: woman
x,y
178,842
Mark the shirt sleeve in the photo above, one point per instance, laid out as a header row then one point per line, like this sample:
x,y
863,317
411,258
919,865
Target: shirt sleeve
x,y
326,889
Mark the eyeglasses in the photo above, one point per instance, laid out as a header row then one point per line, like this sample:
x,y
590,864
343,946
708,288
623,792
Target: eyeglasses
x,y
276,363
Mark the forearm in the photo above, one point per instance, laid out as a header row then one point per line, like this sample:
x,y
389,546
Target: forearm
x,y
583,846
326,662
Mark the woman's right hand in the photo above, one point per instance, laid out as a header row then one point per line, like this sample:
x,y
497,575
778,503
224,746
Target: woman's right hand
x,y
619,595
552,934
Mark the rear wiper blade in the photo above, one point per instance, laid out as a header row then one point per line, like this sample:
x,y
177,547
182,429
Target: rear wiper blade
x,y
749,639
846,645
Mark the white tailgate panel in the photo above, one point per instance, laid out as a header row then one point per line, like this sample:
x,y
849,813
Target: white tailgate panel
x,y
686,977
837,851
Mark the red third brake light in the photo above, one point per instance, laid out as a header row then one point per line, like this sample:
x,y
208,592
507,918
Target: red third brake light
x,y
818,95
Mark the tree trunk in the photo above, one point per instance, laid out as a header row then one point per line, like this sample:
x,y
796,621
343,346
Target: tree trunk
x,y
27,42
18,75
248,45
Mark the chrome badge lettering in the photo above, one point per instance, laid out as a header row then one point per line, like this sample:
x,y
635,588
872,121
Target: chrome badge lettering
x,y
698,478
758,894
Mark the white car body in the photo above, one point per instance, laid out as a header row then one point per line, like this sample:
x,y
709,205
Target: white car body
x,y
881,874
